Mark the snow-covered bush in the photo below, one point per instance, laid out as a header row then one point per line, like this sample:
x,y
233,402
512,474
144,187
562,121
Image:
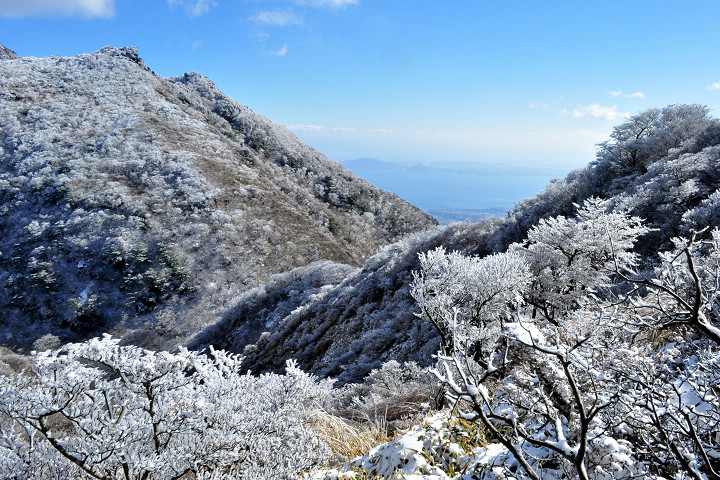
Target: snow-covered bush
x,y
106,411
571,257
674,420
590,388
391,397
465,297
685,289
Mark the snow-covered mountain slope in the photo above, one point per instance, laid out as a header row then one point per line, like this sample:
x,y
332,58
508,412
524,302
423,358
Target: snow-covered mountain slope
x,y
343,323
140,205
6,53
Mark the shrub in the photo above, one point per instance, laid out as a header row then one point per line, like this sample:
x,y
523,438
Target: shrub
x,y
105,411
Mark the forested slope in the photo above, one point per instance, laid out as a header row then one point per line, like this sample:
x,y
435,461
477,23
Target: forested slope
x,y
586,350
661,165
142,205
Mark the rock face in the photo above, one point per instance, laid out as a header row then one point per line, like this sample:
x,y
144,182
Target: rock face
x,y
142,206
6,53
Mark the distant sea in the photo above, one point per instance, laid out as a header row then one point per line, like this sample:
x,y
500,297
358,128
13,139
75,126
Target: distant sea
x,y
456,191
446,216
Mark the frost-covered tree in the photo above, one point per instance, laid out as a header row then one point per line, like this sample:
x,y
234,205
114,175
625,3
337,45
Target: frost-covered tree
x,y
595,390
573,256
673,418
105,411
649,136
685,289
465,298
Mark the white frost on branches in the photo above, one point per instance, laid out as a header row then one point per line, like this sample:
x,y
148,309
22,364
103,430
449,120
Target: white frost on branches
x,y
106,411
573,382
464,296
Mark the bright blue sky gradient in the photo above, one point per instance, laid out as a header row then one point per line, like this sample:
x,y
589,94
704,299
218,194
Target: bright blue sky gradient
x,y
516,82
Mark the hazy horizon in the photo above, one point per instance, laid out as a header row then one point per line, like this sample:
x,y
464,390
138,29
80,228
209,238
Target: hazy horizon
x,y
454,185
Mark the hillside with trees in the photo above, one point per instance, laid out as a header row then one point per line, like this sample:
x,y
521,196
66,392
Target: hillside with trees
x,y
577,338
6,53
346,326
142,206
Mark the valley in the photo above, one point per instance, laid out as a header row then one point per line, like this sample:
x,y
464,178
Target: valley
x,y
189,291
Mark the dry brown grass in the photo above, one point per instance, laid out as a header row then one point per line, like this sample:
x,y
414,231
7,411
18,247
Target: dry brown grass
x,y
11,362
348,439
395,412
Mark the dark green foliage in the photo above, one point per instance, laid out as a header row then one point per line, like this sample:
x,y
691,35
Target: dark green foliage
x,y
86,316
42,275
333,225
149,275
295,163
257,141
178,278
358,200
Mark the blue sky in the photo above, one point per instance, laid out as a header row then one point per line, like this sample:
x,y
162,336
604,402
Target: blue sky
x,y
513,82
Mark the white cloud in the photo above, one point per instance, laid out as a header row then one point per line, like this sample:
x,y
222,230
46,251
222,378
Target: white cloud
x,y
617,93
534,106
714,86
277,17
85,8
194,8
600,111
201,7
196,44
320,128
307,128
279,53
327,3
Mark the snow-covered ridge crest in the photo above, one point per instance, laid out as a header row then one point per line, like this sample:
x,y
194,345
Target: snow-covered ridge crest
x,y
6,53
138,202
131,53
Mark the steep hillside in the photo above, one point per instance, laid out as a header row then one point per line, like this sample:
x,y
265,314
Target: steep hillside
x,y
141,205
661,164
345,326
341,322
6,53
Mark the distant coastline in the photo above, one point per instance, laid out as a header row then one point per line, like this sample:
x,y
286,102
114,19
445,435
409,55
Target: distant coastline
x,y
456,191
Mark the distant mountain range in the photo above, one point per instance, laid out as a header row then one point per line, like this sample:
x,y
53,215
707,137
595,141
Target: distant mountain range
x,y
143,206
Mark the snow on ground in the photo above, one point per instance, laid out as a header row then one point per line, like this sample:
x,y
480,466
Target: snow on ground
x,y
442,447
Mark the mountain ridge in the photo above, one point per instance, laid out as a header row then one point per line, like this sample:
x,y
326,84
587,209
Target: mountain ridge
x,y
345,324
6,53
141,205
